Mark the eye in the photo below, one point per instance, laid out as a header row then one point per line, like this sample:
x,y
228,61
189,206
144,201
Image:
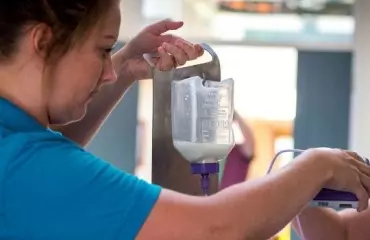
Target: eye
x,y
107,52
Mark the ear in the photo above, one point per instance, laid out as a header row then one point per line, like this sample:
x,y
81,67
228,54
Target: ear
x,y
41,39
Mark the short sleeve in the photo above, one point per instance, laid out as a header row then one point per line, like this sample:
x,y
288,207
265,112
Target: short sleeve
x,y
56,190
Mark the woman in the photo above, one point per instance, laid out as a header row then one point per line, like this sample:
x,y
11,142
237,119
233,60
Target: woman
x,y
54,59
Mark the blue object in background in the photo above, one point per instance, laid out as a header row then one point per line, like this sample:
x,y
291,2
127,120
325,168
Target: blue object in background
x,y
323,100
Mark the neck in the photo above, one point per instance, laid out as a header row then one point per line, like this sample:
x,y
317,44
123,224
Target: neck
x,y
24,89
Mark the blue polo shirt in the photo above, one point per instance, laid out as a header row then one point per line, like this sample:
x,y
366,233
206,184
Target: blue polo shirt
x,y
52,189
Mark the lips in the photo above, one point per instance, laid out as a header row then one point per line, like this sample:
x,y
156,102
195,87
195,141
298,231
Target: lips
x,y
92,95
96,91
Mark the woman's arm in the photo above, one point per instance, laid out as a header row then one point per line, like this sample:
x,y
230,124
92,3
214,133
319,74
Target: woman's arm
x,y
254,210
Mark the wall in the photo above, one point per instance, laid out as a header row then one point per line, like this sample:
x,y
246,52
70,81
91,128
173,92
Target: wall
x,y
116,140
360,100
323,94
145,115
195,27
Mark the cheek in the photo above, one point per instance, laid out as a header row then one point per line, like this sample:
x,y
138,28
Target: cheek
x,y
74,78
83,76
97,68
93,75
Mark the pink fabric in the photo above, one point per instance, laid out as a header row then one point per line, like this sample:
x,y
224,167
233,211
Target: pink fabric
x,y
236,168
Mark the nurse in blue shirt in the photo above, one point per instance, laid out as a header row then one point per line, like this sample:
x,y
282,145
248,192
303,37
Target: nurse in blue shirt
x,y
56,72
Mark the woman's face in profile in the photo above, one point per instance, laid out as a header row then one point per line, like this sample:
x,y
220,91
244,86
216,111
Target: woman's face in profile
x,y
79,74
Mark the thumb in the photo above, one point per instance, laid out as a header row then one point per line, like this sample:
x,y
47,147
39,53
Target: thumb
x,y
163,26
363,199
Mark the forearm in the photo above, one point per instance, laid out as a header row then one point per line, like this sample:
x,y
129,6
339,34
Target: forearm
x,y
254,210
320,224
102,105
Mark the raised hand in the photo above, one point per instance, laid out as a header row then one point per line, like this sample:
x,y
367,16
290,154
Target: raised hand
x,y
154,47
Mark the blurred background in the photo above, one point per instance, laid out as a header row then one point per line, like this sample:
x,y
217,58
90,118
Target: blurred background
x,y
300,71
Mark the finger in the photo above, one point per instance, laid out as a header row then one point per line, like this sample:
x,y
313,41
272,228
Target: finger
x,y
187,48
363,198
360,164
164,26
360,158
355,155
199,49
164,62
365,180
180,56
168,38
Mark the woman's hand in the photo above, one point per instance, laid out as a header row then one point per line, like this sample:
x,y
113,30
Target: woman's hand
x,y
162,51
347,171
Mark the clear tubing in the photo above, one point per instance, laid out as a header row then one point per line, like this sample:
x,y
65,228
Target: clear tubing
x,y
205,184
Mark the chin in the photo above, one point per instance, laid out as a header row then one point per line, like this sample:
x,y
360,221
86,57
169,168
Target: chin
x,y
68,117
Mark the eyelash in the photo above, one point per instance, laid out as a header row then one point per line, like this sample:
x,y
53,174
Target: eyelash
x,y
107,52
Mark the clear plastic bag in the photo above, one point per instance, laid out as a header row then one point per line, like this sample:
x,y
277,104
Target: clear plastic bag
x,y
202,115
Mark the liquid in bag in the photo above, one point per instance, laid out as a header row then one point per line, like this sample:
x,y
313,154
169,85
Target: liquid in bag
x,y
202,115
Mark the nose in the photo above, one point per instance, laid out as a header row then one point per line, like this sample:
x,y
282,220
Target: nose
x,y
108,74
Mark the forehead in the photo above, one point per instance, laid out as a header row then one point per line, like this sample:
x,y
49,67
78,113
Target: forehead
x,y
110,22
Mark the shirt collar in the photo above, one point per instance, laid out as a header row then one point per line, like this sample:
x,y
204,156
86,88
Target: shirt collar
x,y
15,118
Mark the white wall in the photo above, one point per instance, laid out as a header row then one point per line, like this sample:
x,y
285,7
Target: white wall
x,y
265,80
360,105
133,18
